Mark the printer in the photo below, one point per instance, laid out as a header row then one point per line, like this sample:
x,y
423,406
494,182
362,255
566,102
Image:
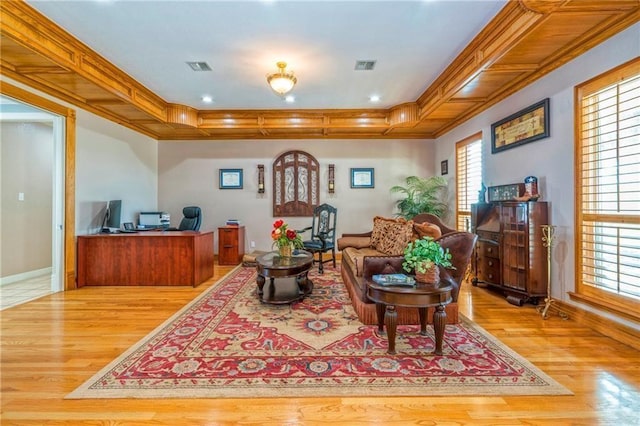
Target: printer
x,y
153,220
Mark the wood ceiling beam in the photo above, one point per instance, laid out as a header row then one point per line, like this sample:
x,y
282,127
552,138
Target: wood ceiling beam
x,y
503,32
53,69
40,54
580,45
31,29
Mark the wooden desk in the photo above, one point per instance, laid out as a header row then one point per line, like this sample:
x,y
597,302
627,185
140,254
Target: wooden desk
x,y
145,258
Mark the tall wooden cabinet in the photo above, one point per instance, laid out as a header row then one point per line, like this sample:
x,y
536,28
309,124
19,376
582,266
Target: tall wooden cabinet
x,y
510,254
230,245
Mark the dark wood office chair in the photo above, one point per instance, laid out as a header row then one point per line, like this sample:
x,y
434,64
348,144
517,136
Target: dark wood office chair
x,y
323,234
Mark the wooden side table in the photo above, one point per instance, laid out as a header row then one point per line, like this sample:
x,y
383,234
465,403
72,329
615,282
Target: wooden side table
x,y
230,245
422,296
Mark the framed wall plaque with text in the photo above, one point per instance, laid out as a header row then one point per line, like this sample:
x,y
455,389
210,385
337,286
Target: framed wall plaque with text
x,y
527,125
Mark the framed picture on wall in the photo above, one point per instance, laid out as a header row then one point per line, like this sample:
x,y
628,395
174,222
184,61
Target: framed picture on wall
x,y
362,178
527,125
444,167
230,178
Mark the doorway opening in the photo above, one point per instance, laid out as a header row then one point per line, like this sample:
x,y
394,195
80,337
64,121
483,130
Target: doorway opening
x,y
33,199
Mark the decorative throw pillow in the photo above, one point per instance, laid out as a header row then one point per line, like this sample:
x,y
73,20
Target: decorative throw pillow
x,y
396,239
426,230
380,229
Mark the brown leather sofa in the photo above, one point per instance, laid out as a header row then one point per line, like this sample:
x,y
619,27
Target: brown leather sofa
x,y
362,258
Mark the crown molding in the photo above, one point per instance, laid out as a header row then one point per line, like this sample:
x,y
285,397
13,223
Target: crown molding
x,y
526,40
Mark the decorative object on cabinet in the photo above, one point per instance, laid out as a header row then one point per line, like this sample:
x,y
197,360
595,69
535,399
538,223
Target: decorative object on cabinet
x,y
482,194
230,178
362,178
510,253
548,240
531,187
332,179
296,184
260,178
527,125
506,192
444,167
230,245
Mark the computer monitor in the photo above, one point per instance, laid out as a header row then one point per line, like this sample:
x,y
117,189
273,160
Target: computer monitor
x,y
111,218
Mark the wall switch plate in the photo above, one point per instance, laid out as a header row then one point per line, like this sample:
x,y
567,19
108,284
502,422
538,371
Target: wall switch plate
x,y
253,244
20,196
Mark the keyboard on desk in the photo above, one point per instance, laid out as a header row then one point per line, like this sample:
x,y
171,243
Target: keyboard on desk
x,y
128,231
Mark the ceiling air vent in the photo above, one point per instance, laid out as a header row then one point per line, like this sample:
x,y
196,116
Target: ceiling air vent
x,y
365,65
199,66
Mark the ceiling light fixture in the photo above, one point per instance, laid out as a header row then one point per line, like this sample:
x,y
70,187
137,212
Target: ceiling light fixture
x,y
282,81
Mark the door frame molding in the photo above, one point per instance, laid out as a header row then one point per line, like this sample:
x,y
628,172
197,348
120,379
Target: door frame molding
x,y
69,238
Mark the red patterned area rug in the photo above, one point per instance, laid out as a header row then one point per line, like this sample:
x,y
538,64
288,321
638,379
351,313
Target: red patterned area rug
x,y
226,343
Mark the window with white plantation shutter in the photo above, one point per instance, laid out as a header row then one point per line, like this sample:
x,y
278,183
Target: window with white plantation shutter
x,y
468,178
608,190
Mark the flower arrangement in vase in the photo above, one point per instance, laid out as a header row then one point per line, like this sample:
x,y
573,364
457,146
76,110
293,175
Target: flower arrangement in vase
x,y
424,255
285,239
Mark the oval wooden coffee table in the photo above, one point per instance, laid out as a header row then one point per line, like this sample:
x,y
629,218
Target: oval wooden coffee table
x,y
422,296
288,280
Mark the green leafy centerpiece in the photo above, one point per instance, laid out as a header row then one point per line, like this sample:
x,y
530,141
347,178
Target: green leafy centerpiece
x,y
423,256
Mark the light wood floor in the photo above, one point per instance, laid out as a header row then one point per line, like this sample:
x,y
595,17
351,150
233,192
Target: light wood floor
x,y
51,345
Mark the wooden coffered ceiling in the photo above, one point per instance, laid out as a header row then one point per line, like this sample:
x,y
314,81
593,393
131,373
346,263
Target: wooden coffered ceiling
x,y
526,40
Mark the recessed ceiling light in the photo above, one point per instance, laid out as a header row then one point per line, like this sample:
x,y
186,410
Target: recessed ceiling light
x,y
374,98
207,99
290,98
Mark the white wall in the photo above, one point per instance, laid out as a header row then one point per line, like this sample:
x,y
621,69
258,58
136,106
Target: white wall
x,y
26,225
188,174
112,163
550,159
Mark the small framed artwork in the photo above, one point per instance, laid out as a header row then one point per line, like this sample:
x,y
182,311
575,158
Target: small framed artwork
x,y
362,178
527,125
444,167
230,178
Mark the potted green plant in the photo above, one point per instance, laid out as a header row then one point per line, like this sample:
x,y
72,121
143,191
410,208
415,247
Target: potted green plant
x,y
423,256
422,195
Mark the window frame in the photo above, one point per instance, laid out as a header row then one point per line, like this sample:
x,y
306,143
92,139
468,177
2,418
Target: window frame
x,y
586,293
477,137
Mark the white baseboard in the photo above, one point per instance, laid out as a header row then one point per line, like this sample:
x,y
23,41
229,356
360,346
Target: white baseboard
x,y
25,276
